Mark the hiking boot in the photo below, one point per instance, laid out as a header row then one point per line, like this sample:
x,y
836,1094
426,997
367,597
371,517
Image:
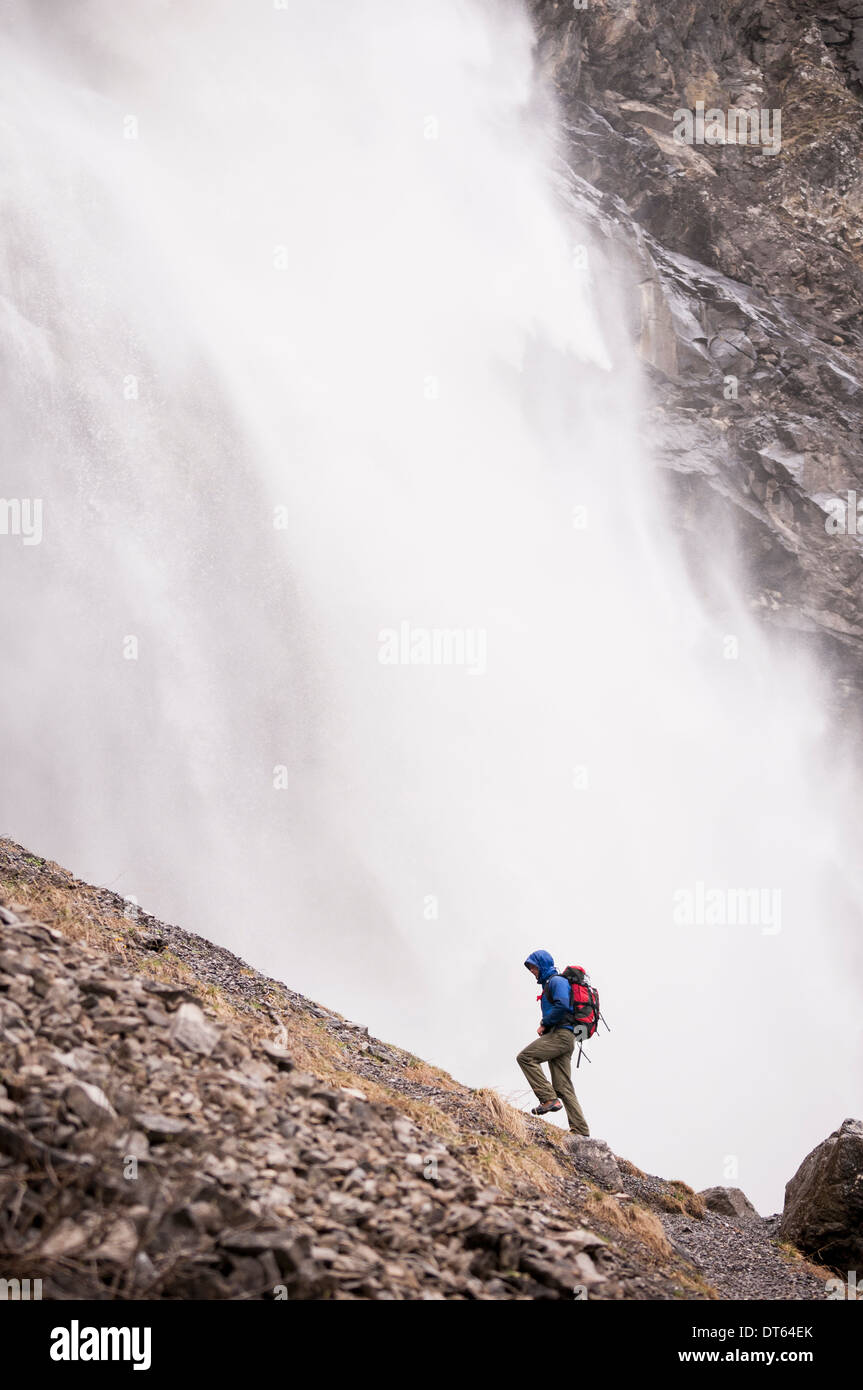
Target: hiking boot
x,y
547,1106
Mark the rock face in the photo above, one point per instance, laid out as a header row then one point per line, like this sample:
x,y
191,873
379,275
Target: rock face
x,y
742,271
730,1202
823,1212
594,1158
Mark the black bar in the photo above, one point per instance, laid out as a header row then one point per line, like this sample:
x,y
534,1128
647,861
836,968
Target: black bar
x,y
252,1338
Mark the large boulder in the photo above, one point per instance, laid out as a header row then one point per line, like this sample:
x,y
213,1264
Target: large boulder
x,y
730,1202
823,1213
594,1159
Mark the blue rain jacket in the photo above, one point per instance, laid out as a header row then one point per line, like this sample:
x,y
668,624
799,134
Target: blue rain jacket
x,y
556,994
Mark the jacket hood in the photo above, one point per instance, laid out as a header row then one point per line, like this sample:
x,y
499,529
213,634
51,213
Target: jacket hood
x,y
544,963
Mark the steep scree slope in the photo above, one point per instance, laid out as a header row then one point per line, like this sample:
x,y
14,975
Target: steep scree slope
x,y
175,1125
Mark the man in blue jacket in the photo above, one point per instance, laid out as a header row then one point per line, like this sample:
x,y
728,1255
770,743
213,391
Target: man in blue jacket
x,y
554,1045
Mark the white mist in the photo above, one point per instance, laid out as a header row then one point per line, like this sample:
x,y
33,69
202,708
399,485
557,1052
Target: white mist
x,y
300,348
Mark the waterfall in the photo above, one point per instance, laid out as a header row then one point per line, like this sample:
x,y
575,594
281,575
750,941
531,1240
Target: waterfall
x,y
357,637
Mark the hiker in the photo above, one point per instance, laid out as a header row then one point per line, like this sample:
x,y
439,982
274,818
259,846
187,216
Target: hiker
x,y
554,1045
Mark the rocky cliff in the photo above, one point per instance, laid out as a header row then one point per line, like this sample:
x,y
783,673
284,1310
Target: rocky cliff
x,y
743,270
175,1125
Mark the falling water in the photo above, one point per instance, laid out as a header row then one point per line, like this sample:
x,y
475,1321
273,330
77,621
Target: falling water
x,y
309,363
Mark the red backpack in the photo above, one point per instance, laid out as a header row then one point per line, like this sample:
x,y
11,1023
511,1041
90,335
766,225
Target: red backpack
x,y
585,1006
585,1000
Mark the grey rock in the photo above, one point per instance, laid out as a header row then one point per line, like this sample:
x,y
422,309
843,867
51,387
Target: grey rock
x,y
291,1248
587,1272
192,1030
89,1103
730,1202
280,1055
68,1237
303,1082
157,1126
157,1016
823,1212
119,1244
134,1144
594,1158
18,962
119,1023
98,984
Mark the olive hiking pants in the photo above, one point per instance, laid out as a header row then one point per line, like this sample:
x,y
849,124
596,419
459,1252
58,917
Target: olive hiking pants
x,y
556,1048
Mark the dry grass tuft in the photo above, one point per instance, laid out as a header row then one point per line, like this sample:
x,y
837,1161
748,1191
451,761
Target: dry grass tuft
x,y
680,1199
503,1116
634,1220
796,1257
696,1284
